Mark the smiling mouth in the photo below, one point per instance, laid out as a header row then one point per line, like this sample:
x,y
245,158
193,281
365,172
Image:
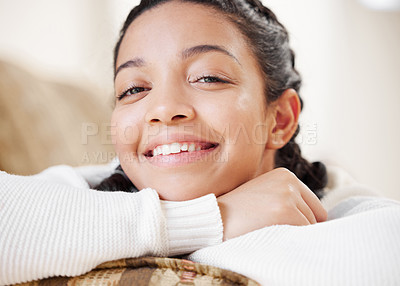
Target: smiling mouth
x,y
177,148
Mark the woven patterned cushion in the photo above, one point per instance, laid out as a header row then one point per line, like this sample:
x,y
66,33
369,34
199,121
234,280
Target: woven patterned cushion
x,y
151,271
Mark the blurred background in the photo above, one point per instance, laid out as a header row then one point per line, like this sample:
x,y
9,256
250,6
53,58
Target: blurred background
x,y
348,52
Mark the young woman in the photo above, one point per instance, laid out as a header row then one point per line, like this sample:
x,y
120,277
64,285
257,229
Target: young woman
x,y
206,115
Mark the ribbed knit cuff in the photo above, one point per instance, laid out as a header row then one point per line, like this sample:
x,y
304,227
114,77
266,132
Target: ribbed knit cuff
x,y
193,224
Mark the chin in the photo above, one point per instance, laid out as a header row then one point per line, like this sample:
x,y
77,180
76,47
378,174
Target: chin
x,y
179,193
183,186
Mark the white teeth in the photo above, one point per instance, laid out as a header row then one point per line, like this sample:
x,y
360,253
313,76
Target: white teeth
x,y
184,147
155,152
165,150
175,148
192,147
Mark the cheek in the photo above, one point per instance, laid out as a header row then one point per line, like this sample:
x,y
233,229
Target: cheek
x,y
240,115
125,129
242,127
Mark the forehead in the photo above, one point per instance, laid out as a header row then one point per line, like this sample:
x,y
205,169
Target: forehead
x,y
173,26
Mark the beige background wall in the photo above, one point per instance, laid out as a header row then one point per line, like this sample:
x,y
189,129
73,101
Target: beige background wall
x,y
348,55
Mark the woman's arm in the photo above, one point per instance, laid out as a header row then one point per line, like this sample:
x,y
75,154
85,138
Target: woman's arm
x,y
49,229
358,245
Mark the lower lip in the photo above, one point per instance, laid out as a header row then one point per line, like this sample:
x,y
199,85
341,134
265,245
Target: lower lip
x,y
181,159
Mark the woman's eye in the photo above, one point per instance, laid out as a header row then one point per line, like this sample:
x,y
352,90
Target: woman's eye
x,y
132,91
211,79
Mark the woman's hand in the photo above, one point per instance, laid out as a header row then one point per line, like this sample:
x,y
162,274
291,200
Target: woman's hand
x,y
276,197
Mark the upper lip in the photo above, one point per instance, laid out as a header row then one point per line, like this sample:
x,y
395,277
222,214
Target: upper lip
x,y
174,138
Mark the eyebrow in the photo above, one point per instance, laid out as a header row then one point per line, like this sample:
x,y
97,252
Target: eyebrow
x,y
202,49
187,53
134,63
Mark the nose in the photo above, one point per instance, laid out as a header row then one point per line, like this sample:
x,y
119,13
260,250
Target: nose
x,y
169,108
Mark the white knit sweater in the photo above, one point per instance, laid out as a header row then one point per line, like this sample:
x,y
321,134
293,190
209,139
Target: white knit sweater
x,y
53,224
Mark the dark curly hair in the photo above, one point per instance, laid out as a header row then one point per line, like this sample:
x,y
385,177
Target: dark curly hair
x,y
269,41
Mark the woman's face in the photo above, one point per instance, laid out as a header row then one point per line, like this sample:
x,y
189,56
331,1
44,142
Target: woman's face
x,y
190,116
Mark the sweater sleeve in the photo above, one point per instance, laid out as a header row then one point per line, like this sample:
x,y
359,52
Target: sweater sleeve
x,y
358,245
49,229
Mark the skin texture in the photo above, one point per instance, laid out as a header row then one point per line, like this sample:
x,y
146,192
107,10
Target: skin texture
x,y
169,61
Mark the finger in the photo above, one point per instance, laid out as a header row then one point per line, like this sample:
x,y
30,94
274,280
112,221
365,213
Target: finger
x,y
306,211
287,216
314,204
299,219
